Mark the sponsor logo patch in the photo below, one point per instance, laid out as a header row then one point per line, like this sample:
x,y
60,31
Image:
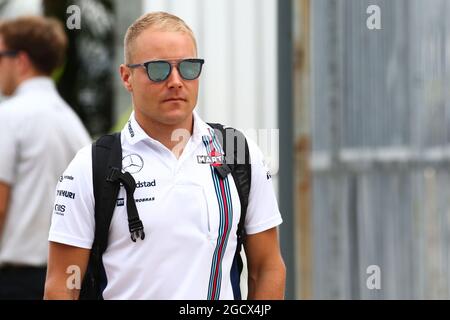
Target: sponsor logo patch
x,y
120,202
65,194
146,184
130,129
65,178
59,209
145,199
132,163
214,158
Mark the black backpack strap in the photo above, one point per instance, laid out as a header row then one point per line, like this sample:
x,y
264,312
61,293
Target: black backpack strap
x,y
106,153
237,162
107,176
134,222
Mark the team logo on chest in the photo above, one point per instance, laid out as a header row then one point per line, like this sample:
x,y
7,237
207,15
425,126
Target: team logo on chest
x,y
132,163
214,158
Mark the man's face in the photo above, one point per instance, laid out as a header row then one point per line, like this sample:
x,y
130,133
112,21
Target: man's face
x,y
8,83
169,102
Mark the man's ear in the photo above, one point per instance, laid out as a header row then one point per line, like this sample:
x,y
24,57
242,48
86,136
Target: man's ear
x,y
126,76
24,64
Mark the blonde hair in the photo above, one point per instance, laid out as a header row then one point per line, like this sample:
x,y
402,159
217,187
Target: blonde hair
x,y
160,21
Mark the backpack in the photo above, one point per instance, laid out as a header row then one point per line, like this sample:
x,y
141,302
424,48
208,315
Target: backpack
x,y
107,178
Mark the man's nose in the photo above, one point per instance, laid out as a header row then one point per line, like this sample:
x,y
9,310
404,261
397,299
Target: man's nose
x,y
174,80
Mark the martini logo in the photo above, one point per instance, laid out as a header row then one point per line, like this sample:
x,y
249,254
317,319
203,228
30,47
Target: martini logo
x,y
214,158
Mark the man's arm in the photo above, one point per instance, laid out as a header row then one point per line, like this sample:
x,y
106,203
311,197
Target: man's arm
x,y
4,201
64,262
266,269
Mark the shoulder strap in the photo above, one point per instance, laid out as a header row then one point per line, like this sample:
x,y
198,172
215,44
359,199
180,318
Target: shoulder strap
x,y
106,154
237,162
107,177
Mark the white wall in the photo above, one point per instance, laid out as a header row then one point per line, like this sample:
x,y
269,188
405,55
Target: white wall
x,y
239,82
16,8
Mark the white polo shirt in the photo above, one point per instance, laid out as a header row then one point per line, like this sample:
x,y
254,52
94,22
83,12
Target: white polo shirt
x,y
190,218
39,135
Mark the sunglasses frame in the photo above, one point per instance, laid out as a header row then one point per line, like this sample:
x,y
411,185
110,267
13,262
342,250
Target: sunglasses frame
x,y
8,53
171,63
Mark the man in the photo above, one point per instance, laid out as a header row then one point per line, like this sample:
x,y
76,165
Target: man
x,y
189,221
39,135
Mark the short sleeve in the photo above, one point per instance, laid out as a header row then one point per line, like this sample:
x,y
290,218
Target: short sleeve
x,y
73,221
262,212
9,146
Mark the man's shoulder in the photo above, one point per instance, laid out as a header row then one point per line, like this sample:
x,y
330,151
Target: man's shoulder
x,y
85,153
30,103
254,149
79,170
12,105
82,161
13,112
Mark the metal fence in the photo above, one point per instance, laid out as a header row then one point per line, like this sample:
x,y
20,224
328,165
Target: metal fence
x,y
380,159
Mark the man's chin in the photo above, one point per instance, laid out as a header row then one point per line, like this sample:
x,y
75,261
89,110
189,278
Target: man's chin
x,y
173,120
175,115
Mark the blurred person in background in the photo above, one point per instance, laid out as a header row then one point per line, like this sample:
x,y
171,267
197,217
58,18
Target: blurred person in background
x,y
39,135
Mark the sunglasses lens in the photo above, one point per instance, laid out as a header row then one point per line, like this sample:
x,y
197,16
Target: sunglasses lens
x,y
158,71
190,69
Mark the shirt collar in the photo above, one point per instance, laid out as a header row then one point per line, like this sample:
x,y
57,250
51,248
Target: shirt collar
x,y
134,133
35,84
201,129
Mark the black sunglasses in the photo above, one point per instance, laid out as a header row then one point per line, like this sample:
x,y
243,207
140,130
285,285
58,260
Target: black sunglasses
x,y
160,70
8,53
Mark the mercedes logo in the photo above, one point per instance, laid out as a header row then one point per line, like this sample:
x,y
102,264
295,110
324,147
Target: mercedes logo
x,y
132,163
